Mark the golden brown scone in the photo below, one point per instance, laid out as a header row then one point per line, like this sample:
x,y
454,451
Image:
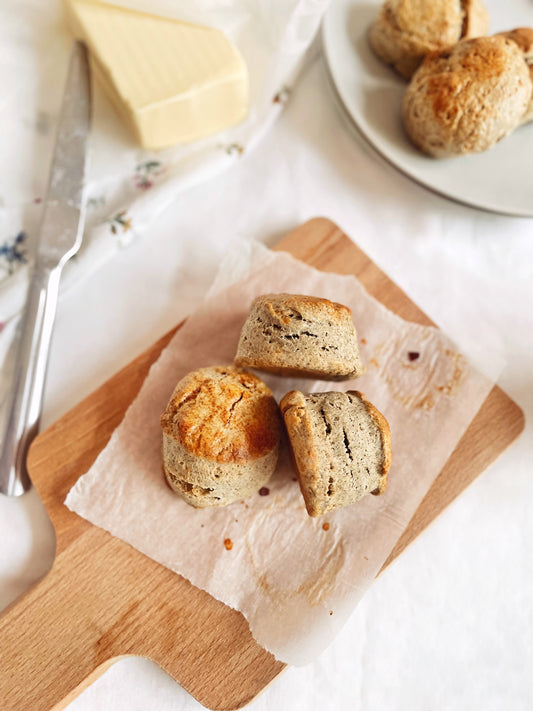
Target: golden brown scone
x,y
306,336
341,447
221,432
407,30
465,99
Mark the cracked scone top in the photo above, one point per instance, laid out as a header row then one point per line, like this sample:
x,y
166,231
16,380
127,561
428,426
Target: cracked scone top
x,y
221,431
306,336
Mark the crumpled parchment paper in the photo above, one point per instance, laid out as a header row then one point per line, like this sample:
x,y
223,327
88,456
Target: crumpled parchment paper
x,y
295,579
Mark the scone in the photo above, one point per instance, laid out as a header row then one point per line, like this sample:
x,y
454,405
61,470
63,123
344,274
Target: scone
x,y
290,334
221,431
407,30
341,447
465,99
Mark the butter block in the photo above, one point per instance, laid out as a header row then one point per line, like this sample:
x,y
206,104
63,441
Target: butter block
x,y
171,81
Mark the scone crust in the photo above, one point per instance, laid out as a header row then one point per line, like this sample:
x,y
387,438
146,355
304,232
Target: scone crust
x,y
223,414
221,432
523,37
405,31
300,335
476,19
303,441
383,426
466,99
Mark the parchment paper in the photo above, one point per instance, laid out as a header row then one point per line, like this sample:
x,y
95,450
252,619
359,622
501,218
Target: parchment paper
x,y
295,581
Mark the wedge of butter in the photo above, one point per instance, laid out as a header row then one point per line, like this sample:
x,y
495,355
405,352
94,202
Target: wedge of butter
x,y
171,81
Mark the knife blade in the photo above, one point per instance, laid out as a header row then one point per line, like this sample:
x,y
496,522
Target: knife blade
x,y
60,236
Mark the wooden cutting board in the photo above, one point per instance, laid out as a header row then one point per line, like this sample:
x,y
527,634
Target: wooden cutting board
x,y
103,600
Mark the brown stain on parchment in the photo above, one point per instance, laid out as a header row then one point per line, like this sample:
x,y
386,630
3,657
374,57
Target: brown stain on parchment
x,y
427,394
452,386
315,588
373,361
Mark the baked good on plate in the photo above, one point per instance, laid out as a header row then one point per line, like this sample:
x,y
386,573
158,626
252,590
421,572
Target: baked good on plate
x,y
221,431
306,336
341,447
406,30
467,98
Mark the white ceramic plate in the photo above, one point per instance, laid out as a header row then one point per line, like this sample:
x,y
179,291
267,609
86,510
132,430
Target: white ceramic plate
x,y
499,180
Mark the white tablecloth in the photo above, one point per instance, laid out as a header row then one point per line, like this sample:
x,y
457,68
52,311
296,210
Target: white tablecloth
x,y
450,624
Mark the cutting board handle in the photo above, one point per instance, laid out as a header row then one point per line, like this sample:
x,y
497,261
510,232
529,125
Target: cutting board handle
x,y
103,600
49,643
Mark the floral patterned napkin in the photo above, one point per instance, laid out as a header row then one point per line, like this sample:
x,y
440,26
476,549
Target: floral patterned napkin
x,y
127,187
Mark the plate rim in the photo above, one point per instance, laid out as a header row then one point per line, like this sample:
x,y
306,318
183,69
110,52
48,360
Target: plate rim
x,y
357,125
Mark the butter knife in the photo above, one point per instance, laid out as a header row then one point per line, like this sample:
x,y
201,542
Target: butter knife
x,y
60,237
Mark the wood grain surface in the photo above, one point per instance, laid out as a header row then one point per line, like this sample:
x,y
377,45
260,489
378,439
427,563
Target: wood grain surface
x,y
103,600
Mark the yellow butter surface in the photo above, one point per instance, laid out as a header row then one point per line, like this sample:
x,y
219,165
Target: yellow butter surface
x,y
172,82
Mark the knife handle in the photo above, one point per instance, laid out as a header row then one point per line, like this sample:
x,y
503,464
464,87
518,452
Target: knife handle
x,y
23,402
